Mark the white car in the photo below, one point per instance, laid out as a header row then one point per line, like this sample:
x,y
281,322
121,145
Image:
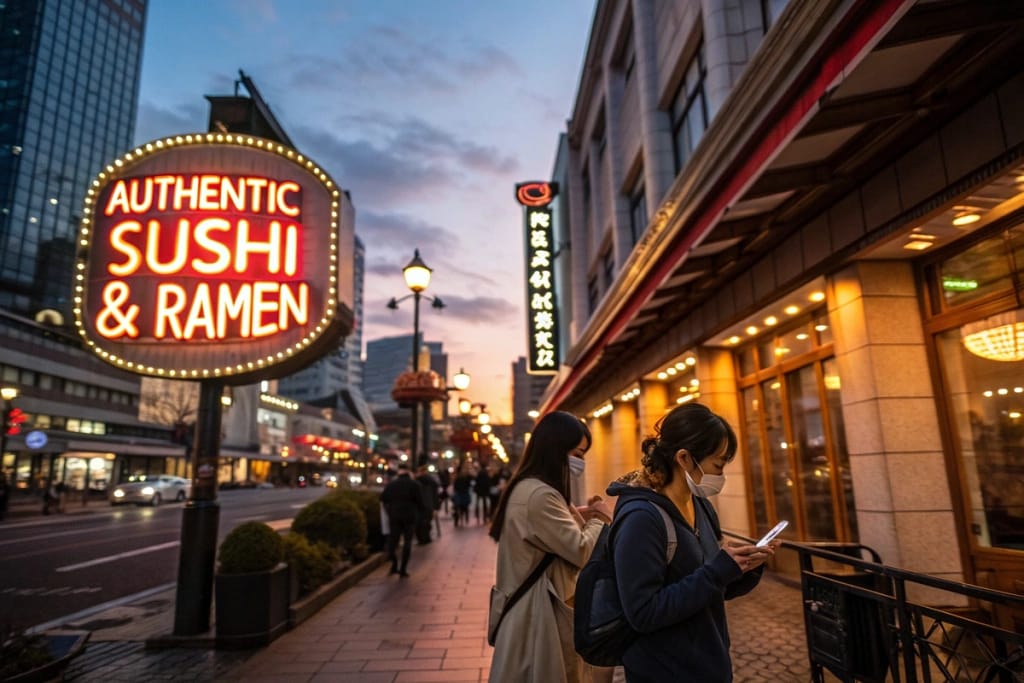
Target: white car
x,y
150,490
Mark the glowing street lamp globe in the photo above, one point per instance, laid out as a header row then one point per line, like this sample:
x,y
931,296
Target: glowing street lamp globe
x,y
416,273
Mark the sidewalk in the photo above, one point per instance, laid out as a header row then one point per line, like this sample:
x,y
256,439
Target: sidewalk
x,y
429,627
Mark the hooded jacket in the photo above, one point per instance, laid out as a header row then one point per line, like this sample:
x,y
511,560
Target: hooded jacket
x,y
679,609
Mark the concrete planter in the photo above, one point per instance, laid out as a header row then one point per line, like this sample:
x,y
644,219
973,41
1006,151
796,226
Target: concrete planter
x,y
308,605
63,646
251,609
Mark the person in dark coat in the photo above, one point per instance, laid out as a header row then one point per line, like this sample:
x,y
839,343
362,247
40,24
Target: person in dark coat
x,y
429,488
678,607
482,489
403,501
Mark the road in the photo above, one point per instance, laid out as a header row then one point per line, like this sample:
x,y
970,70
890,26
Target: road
x,y
52,567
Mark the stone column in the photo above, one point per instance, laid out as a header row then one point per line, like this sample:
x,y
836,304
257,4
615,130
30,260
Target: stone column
x,y
717,374
596,476
901,491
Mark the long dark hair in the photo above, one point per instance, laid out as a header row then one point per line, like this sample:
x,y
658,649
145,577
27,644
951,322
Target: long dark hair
x,y
691,426
546,457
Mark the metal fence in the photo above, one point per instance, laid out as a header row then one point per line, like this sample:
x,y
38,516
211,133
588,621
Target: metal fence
x,y
862,626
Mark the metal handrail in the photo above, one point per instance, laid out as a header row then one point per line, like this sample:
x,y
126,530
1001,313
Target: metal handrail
x,y
882,635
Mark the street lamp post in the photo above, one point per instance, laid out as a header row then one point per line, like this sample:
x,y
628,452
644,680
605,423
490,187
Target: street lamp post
x,y
417,277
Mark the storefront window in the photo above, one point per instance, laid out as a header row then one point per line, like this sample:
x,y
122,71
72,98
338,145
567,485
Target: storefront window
x,y
987,403
755,461
793,433
975,272
778,451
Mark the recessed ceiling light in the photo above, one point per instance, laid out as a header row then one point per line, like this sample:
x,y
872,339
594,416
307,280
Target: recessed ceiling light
x,y
817,296
751,330
733,339
771,320
966,219
917,245
802,336
792,309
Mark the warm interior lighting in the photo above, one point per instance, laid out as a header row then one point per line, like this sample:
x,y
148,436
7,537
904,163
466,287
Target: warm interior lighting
x,y
917,245
733,339
751,330
791,309
771,320
416,273
817,296
9,393
999,337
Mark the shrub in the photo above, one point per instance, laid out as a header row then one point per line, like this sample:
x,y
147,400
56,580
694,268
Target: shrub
x,y
312,562
369,503
335,521
250,547
22,653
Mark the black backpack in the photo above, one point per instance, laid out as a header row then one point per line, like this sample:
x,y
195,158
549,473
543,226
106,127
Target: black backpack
x,y
600,630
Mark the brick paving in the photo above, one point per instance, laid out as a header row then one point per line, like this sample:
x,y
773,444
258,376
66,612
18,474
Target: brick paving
x,y
429,627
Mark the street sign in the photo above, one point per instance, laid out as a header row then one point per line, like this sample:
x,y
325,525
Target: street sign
x,y
35,439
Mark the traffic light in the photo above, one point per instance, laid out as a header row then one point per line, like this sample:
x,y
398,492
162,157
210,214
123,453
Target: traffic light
x,y
15,418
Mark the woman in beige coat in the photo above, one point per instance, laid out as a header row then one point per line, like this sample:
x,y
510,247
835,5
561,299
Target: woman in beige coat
x,y
534,517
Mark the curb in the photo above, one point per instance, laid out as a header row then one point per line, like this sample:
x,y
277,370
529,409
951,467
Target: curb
x,y
307,606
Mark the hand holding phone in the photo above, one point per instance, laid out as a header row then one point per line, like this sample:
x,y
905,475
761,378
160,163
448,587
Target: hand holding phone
x,y
776,530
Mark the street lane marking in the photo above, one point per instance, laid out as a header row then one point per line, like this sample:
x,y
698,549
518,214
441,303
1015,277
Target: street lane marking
x,y
114,558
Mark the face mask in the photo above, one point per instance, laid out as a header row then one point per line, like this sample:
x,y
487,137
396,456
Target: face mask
x,y
710,484
576,465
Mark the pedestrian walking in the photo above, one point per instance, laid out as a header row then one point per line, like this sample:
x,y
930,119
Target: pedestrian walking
x,y
678,606
429,486
461,496
403,500
482,489
50,497
543,539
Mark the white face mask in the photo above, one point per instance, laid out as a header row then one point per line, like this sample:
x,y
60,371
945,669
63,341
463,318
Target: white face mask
x,y
710,484
576,465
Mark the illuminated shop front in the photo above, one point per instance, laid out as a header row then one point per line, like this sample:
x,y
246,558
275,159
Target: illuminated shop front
x,y
830,230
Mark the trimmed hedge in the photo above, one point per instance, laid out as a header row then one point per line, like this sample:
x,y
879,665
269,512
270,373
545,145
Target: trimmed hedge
x,y
338,522
369,503
312,562
250,547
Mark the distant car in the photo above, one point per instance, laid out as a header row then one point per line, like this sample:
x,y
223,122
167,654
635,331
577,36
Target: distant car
x,y
302,483
150,490
331,482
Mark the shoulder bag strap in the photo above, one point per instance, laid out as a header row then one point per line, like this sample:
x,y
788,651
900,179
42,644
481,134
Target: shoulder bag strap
x,y
521,591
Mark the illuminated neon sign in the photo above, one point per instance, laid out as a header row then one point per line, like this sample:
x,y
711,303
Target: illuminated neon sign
x,y
211,255
541,301
536,193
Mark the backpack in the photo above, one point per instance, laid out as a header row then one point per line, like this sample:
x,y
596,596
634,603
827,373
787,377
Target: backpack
x,y
601,632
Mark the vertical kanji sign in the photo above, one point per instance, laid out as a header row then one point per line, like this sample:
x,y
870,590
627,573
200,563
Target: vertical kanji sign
x,y
544,355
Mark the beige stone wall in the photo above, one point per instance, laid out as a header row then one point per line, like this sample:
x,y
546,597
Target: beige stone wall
x,y
717,374
902,497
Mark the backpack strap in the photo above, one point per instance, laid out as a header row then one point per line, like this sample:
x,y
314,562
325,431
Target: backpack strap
x,y
670,530
670,527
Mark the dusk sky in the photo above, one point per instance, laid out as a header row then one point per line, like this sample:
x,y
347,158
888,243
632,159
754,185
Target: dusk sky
x,y
428,112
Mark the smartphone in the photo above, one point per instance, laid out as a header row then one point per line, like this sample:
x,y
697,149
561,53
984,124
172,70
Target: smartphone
x,y
776,530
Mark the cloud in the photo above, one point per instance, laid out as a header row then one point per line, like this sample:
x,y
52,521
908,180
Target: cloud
x,y
155,121
411,160
478,310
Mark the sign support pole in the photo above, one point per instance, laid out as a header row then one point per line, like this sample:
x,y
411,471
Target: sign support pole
x,y
199,519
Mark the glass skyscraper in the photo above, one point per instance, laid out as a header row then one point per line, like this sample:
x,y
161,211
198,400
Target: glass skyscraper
x,y
69,80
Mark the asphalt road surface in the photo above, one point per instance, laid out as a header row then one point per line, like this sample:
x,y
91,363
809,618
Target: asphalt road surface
x,y
55,566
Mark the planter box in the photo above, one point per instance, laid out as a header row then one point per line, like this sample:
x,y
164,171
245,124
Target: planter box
x,y
64,646
251,609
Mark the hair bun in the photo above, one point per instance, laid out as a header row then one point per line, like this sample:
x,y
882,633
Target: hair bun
x,y
649,444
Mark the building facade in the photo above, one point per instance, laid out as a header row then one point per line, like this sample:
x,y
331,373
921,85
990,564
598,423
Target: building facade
x,y
69,74
807,216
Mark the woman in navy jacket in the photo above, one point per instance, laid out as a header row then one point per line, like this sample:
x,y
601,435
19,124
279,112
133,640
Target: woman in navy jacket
x,y
679,608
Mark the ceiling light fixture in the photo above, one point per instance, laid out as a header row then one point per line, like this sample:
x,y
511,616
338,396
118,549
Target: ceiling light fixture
x,y
998,337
